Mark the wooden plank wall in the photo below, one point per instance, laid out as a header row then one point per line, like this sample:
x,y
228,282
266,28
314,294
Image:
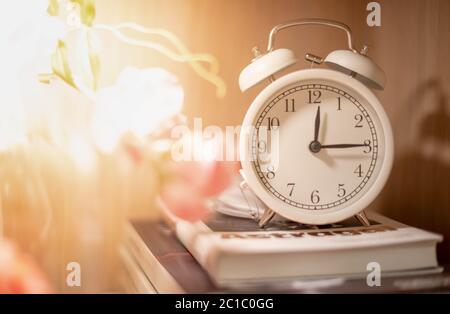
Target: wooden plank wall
x,y
414,50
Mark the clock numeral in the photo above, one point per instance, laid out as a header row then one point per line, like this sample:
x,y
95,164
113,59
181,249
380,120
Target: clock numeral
x,y
359,171
359,121
314,97
315,198
270,173
273,123
339,104
262,147
368,146
291,186
290,105
341,191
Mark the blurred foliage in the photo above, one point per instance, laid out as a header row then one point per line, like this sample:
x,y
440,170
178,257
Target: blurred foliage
x,y
59,59
60,64
87,11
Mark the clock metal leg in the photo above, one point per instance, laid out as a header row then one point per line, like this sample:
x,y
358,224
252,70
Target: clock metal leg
x,y
266,217
362,218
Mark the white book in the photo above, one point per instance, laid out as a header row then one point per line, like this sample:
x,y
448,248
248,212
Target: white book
x,y
235,250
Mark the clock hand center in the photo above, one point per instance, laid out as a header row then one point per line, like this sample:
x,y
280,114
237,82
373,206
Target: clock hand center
x,y
315,146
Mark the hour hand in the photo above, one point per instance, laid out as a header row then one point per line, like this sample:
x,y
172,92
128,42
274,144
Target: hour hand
x,y
317,125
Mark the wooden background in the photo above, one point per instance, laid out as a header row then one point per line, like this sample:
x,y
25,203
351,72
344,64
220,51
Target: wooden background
x,y
412,46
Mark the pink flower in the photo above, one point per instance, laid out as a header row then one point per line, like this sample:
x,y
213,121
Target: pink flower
x,y
18,273
192,183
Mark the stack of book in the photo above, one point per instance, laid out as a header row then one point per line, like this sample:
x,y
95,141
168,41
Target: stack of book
x,y
230,254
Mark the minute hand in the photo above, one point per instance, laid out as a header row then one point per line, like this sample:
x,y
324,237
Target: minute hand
x,y
343,145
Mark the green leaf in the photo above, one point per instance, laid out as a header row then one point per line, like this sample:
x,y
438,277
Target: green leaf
x,y
87,11
53,7
95,68
94,62
60,64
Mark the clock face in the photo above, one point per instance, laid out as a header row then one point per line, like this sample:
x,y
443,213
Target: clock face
x,y
317,146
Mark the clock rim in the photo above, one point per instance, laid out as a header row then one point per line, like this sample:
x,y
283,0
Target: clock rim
x,y
311,216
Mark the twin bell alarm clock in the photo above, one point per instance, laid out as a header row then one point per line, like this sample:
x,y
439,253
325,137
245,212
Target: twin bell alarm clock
x,y
318,145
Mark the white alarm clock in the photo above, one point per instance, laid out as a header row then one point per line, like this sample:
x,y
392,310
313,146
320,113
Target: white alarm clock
x,y
318,145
